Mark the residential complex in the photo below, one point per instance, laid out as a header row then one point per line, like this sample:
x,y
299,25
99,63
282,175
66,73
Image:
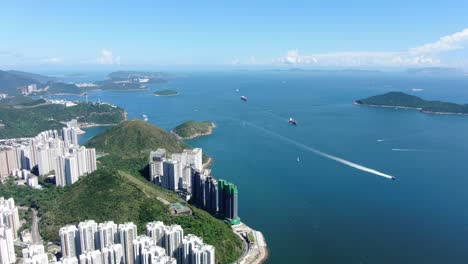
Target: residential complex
x,y
46,153
184,173
107,243
9,225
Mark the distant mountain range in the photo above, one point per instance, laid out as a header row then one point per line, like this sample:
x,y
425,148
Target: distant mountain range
x,y
12,82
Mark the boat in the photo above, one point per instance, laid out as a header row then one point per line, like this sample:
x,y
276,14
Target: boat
x,y
292,121
298,160
145,118
243,98
393,178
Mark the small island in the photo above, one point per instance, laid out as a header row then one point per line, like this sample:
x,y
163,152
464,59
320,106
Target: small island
x,y
402,100
193,129
166,93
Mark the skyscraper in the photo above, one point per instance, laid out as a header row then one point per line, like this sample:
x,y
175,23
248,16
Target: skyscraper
x,y
7,251
91,257
112,254
171,175
87,236
68,239
156,230
127,233
107,234
35,254
156,165
172,241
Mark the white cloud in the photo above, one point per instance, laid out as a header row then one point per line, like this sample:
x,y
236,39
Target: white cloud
x,y
108,58
53,60
447,43
430,54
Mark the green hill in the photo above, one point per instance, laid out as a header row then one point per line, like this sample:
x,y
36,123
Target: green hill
x,y
193,129
32,117
399,99
135,139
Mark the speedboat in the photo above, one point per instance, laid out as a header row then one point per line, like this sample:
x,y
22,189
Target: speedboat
x,y
292,121
243,98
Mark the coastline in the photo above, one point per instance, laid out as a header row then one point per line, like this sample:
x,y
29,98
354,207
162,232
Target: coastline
x,y
197,135
256,252
413,108
88,125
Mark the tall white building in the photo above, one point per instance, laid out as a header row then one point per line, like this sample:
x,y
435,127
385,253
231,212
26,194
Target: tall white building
x,y
156,165
7,251
68,239
69,260
156,230
194,157
163,260
127,233
173,236
87,235
9,215
108,235
35,254
91,257
203,255
71,169
194,251
112,254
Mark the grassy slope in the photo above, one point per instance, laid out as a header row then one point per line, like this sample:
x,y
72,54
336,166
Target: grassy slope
x,y
190,128
406,100
27,122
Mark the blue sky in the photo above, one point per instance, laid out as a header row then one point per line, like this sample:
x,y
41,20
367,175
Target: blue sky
x,y
106,34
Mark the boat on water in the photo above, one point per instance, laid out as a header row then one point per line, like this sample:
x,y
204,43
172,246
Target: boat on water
x,y
244,98
292,121
145,118
298,160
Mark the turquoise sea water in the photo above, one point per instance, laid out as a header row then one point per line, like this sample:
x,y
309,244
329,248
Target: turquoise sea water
x,y
318,210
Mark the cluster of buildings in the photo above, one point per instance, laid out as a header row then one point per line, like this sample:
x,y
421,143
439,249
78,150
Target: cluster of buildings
x,y
184,173
109,243
29,89
9,225
48,152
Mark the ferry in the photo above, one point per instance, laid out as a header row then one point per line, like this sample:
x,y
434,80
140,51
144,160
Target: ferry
x,y
292,121
243,98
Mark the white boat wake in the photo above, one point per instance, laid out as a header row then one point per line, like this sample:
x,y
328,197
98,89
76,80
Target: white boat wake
x,y
405,150
323,154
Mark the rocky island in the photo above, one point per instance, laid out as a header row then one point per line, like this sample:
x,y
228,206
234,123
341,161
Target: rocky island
x,y
194,129
403,100
166,93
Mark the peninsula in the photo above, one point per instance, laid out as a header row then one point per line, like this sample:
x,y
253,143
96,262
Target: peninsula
x,y
403,100
23,117
194,129
166,93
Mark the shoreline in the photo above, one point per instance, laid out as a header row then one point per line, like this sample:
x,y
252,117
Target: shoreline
x,y
88,125
255,252
412,108
197,135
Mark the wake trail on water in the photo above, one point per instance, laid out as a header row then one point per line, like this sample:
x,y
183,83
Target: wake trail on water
x,y
321,153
